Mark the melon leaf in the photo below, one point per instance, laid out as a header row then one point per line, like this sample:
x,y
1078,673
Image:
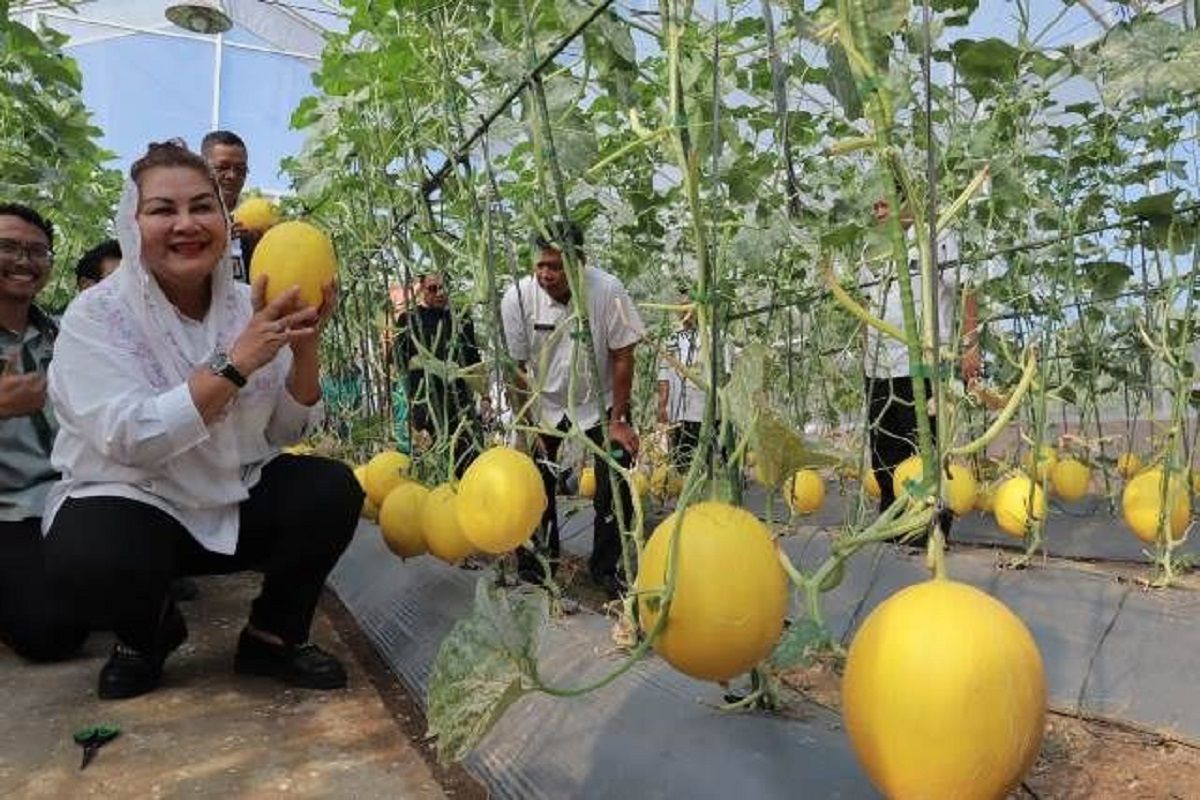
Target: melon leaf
x,y
481,667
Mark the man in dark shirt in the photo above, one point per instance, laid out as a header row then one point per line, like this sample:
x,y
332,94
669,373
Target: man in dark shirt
x,y
439,410
32,620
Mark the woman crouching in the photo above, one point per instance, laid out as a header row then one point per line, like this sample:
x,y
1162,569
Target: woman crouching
x,y
175,387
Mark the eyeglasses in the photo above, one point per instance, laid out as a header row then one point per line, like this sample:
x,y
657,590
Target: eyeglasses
x,y
36,252
239,170
434,289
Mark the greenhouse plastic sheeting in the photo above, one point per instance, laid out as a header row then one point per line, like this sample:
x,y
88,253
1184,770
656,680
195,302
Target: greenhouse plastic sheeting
x,y
1081,530
653,733
1108,650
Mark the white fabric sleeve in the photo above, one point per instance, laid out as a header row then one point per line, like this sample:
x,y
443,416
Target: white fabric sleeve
x,y
291,420
109,403
622,323
514,324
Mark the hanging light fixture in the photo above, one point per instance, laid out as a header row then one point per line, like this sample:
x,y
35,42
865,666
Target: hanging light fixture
x,y
200,16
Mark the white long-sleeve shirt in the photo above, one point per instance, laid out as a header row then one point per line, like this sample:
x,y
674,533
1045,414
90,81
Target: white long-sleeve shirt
x,y
129,430
543,333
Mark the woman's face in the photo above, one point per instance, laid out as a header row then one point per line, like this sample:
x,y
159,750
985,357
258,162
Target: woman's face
x,y
183,227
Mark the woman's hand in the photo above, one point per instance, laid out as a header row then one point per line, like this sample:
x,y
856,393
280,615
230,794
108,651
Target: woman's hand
x,y
305,341
273,325
304,381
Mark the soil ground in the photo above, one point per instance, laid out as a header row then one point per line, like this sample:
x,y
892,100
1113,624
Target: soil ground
x,y
208,733
1080,758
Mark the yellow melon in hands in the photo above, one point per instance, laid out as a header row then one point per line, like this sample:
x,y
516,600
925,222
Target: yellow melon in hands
x,y
291,254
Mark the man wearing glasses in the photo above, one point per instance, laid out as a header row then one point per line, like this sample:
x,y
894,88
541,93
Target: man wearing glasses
x,y
226,155
440,410
32,621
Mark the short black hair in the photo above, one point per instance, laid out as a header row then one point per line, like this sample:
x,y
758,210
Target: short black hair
x,y
32,217
561,235
213,138
89,265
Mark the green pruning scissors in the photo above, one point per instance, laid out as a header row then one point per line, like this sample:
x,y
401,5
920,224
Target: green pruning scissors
x,y
92,738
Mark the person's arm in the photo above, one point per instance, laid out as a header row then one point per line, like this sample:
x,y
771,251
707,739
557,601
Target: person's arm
x,y
620,429
664,394
972,360
20,395
470,347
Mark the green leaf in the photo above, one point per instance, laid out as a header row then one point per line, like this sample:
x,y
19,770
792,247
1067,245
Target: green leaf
x,y
1154,207
799,643
1106,278
780,449
986,59
840,82
1147,57
479,669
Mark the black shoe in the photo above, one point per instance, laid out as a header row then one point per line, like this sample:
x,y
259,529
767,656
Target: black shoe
x,y
306,666
183,590
130,673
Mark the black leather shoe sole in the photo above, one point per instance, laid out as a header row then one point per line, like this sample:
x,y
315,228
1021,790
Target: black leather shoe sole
x,y
128,673
306,667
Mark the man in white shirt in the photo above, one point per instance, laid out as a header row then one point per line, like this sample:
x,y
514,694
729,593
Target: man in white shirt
x,y
543,334
891,417
228,158
681,400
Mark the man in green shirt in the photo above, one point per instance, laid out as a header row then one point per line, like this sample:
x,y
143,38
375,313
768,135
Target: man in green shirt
x,y
33,621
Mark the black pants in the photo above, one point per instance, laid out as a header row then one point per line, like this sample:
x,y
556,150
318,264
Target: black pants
x,y
892,434
685,439
34,621
117,557
606,533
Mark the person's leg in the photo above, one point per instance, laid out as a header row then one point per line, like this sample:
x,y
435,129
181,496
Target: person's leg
x,y
689,442
112,559
605,562
546,539
294,527
891,430
34,621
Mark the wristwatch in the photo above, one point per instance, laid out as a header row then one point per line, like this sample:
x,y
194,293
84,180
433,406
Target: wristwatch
x,y
221,366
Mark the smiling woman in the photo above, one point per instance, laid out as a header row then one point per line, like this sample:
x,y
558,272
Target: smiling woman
x,y
176,387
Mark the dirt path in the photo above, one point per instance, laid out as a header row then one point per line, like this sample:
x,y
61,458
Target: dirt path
x,y
207,733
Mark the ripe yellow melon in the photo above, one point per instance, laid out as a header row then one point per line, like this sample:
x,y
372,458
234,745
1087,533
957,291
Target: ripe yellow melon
x,y
1070,478
1040,463
384,472
256,214
400,519
665,483
439,526
944,662
909,470
501,500
1129,464
871,484
369,511
1141,504
587,482
731,593
1018,503
805,491
960,489
291,254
